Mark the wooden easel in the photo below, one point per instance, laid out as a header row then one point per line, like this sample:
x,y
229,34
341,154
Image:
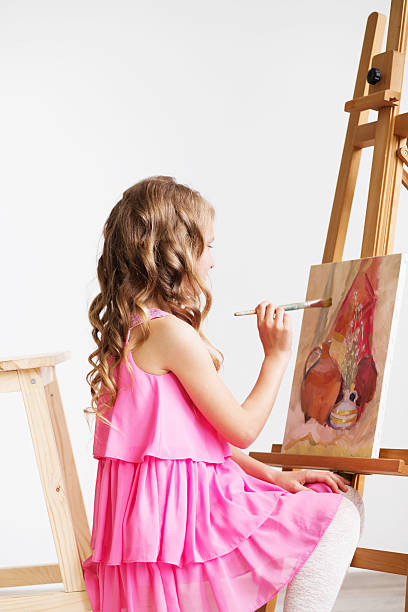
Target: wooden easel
x,y
35,377
378,87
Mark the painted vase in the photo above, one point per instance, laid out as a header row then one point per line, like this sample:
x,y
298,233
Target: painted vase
x,y
321,383
345,413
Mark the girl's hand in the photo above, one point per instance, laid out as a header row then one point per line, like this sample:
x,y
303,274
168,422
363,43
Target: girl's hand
x,y
293,481
275,329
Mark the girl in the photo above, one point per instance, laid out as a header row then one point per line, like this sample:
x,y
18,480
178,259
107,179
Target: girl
x,y
184,520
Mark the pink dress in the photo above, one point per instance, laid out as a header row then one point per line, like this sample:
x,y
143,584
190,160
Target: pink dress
x,y
178,525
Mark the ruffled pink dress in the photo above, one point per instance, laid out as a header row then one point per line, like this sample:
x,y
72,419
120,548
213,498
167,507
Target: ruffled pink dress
x,y
178,525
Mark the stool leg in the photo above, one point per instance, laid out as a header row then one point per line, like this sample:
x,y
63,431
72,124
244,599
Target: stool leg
x,y
49,466
67,460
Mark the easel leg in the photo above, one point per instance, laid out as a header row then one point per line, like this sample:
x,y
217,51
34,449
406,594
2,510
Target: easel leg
x,y
269,606
358,482
350,161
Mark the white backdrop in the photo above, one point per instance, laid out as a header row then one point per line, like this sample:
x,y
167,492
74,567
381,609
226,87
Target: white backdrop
x,y
241,100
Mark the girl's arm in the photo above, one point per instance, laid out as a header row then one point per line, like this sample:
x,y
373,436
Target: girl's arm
x,y
252,466
260,401
185,354
291,481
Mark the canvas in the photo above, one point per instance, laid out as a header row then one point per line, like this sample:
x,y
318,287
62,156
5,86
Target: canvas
x,y
343,361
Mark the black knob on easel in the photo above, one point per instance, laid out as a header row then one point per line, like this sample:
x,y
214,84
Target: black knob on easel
x,y
373,76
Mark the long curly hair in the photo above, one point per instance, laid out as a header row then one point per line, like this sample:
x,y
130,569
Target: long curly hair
x,y
153,238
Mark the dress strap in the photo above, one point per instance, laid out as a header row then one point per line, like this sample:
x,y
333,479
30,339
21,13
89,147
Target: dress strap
x,y
136,319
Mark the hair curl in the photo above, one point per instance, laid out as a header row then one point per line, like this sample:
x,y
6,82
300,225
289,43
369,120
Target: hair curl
x,y
153,238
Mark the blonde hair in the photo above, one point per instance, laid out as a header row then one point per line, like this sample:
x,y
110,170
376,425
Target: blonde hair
x,y
153,238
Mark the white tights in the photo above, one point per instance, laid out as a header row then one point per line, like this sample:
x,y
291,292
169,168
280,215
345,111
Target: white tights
x,y
318,582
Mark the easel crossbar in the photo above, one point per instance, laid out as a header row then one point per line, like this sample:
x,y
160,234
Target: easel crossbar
x,y
389,462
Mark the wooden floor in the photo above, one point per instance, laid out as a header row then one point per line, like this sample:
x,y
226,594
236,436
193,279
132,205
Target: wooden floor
x,y
362,591
366,591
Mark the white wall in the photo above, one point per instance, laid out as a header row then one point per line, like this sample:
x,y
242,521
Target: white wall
x,y
242,100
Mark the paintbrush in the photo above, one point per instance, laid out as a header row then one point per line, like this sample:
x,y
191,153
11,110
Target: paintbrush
x,y
321,303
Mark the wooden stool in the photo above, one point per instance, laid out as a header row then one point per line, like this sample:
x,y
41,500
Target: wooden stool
x,y
36,378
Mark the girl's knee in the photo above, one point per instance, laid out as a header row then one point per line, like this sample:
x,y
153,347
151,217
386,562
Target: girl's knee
x,y
354,496
354,501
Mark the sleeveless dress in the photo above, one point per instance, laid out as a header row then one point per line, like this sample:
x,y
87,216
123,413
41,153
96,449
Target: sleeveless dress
x,y
178,525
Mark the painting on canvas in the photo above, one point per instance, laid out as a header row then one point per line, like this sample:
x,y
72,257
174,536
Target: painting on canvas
x,y
343,359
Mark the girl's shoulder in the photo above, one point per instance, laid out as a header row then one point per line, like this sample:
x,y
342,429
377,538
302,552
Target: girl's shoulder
x,y
150,355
